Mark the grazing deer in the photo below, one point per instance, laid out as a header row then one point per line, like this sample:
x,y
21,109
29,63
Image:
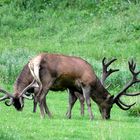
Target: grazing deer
x,y
78,95
105,73
23,87
23,84
59,72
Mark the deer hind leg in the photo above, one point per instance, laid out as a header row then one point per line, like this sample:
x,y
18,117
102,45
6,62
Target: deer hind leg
x,y
86,93
72,100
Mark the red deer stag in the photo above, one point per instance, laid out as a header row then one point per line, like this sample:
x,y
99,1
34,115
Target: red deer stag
x,y
60,72
23,84
78,95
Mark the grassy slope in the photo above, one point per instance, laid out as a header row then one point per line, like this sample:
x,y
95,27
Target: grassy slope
x,y
72,32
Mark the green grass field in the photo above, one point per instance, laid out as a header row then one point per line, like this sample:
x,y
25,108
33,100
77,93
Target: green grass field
x,y
27,125
112,31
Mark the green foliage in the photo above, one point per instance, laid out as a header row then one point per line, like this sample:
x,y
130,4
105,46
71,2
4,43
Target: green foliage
x,y
70,31
135,111
11,63
35,5
2,2
100,6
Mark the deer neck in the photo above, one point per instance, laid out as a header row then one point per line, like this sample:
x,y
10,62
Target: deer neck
x,y
23,80
99,93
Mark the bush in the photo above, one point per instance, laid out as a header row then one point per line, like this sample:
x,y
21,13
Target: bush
x,y
11,63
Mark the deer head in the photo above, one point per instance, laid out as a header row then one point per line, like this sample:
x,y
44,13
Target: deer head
x,y
107,103
17,100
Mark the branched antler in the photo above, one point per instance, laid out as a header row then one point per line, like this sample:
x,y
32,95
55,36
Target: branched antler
x,y
22,94
134,80
105,71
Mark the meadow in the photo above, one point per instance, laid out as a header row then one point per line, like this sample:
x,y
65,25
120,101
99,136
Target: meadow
x,y
111,30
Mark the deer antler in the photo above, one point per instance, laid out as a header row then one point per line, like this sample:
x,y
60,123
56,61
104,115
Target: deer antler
x,y
105,71
10,96
134,80
6,96
33,84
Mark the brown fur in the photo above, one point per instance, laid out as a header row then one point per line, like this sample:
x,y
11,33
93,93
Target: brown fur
x,y
60,72
25,78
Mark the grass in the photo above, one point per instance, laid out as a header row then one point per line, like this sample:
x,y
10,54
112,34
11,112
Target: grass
x,y
75,31
27,125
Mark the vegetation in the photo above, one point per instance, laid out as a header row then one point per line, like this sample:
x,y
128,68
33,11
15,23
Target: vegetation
x,y
91,29
135,111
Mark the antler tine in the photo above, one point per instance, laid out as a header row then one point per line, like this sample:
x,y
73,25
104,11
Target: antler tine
x,y
132,94
4,97
7,96
33,84
127,107
6,93
126,104
132,67
9,103
134,80
106,72
28,97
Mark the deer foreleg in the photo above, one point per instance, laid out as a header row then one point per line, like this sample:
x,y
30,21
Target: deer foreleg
x,y
86,93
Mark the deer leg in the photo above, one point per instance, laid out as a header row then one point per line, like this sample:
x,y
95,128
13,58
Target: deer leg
x,y
72,100
35,104
35,99
42,98
86,93
81,99
42,111
46,108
